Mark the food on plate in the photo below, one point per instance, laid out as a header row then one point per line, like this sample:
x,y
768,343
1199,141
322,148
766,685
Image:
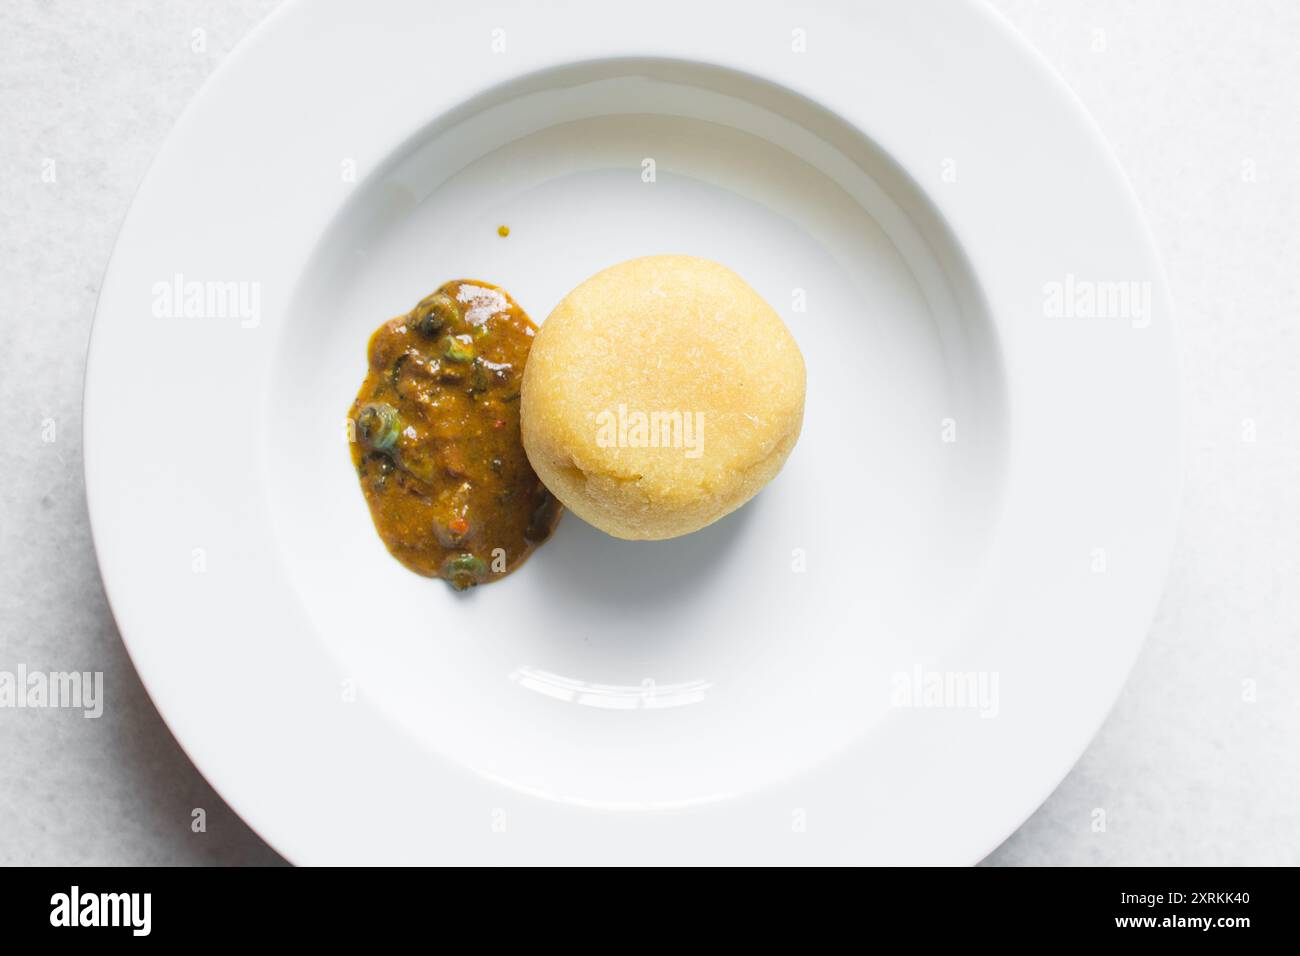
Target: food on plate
x,y
660,395
435,437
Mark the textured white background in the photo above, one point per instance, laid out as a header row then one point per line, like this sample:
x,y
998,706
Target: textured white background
x,y
1201,99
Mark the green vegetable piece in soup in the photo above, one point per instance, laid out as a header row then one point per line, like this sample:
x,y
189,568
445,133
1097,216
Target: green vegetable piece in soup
x,y
465,571
454,350
379,426
437,312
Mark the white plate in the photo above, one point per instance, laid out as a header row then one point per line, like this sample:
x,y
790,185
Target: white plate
x,y
983,487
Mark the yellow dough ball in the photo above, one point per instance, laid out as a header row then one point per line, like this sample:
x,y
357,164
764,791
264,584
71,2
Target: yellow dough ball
x,y
660,395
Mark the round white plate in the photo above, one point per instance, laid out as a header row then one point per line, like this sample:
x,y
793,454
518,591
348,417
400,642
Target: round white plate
x,y
893,654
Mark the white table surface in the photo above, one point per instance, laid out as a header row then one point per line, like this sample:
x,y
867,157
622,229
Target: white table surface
x,y
1201,100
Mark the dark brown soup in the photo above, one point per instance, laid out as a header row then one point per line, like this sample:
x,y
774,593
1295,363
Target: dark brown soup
x,y
436,437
